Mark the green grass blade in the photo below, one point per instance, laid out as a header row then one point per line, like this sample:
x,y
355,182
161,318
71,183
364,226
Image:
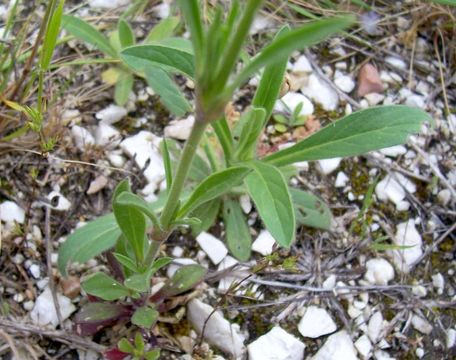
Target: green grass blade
x,y
50,38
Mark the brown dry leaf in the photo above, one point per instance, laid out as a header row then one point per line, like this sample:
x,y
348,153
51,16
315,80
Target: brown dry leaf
x,y
70,287
311,126
369,80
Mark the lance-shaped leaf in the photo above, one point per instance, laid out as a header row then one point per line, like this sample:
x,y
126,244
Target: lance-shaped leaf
x,y
96,315
87,33
297,39
104,287
134,201
163,29
50,38
360,132
310,210
269,191
169,57
141,282
238,236
126,35
123,88
207,213
252,125
183,280
212,187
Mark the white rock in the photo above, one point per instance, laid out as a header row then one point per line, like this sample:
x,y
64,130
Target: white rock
x,y
419,352
416,101
341,180
364,346
177,264
35,271
379,271
438,281
406,235
394,188
97,184
316,322
106,135
28,305
422,325
330,282
72,116
419,290
111,114
44,313
319,91
374,98
375,326
444,197
163,10
107,4
263,243
302,65
382,355
290,102
10,212
177,252
213,247
396,62
246,204
59,202
277,344
338,346
327,166
143,147
344,82
218,331
226,281
116,159
82,137
180,129
450,338
394,151
354,312
261,23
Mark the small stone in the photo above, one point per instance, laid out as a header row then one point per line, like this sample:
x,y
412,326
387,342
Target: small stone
x,y
327,166
396,62
82,137
18,259
116,159
374,98
364,346
318,90
419,353
97,184
302,65
177,264
277,344
261,23
44,312
35,271
341,180
71,286
369,80
416,101
58,201
450,338
162,10
382,355
406,235
217,330
344,82
71,116
111,114
289,102
227,280
379,271
107,4
107,136
375,326
316,322
419,290
444,197
338,346
246,204
438,281
11,212
28,305
422,325
394,188
330,282
177,252
394,151
18,298
213,247
263,243
180,129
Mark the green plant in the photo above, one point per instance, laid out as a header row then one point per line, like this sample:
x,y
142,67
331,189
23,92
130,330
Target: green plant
x,y
212,64
158,77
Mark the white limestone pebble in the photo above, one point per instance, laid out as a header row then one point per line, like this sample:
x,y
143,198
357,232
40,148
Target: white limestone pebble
x,y
375,326
97,184
246,204
111,114
277,344
290,102
58,201
107,136
302,65
82,137
344,82
227,280
107,4
364,346
396,62
450,338
341,180
177,264
438,282
180,129
394,188
263,243
327,166
338,346
44,313
394,151
419,352
213,247
10,212
218,331
316,322
444,197
406,235
379,271
35,271
422,325
319,91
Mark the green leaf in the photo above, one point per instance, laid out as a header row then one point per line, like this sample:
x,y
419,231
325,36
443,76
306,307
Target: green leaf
x,y
125,346
133,200
141,57
207,213
165,87
271,82
446,2
252,125
309,34
238,236
163,29
167,162
152,355
138,282
184,279
88,241
87,33
50,38
126,261
126,35
139,342
223,132
145,317
310,210
95,315
104,287
193,221
212,187
123,88
360,132
269,191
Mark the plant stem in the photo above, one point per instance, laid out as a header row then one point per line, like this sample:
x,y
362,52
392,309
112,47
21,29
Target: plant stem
x,y
181,174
